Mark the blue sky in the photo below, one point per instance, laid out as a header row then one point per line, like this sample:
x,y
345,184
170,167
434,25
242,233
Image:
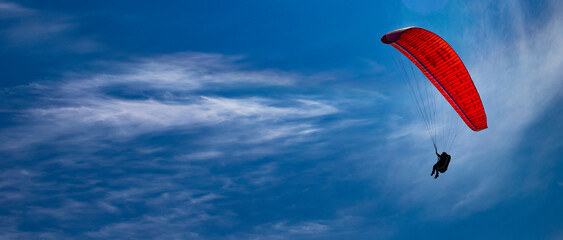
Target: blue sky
x,y
271,120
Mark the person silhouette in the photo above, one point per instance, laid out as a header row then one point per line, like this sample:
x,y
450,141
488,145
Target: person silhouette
x,y
442,164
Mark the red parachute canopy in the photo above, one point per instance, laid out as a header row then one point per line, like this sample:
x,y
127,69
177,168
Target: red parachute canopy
x,y
442,66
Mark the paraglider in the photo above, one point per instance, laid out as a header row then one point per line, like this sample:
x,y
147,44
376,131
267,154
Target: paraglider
x,y
436,59
442,164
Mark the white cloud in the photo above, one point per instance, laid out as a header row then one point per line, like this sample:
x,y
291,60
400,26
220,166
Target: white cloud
x,y
174,93
201,155
87,108
339,227
12,10
42,30
191,71
301,228
285,230
518,77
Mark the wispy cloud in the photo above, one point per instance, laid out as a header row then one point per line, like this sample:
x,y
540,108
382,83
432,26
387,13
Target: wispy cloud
x,y
519,78
339,227
165,99
178,94
192,71
41,30
11,10
284,230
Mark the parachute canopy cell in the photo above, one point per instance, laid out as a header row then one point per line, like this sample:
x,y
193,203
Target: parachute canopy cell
x,y
443,67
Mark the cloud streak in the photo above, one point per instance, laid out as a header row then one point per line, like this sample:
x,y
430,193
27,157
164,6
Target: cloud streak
x,y
43,31
146,97
162,97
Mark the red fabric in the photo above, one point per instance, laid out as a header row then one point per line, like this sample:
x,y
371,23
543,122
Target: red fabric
x,y
443,67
